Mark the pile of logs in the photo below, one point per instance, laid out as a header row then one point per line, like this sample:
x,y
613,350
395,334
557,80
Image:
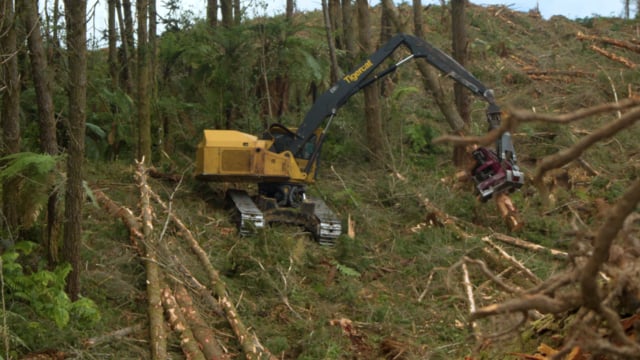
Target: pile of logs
x,y
169,298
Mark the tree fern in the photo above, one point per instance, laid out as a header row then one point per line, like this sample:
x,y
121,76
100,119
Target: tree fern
x,y
38,176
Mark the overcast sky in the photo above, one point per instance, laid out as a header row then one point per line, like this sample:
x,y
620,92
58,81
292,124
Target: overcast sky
x,y
569,8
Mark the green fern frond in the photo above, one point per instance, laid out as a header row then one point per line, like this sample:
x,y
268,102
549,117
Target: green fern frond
x,y
28,165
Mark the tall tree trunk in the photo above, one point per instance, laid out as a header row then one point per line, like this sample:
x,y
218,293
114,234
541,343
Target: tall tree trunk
x,y
113,44
461,95
348,27
75,14
144,106
128,58
10,113
212,13
431,78
418,19
290,6
46,115
237,12
335,15
373,113
627,9
226,8
335,70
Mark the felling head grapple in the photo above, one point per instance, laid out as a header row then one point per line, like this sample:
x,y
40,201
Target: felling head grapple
x,y
496,171
493,175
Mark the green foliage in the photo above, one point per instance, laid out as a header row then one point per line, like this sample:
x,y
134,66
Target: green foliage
x,y
43,290
27,164
346,270
420,137
36,175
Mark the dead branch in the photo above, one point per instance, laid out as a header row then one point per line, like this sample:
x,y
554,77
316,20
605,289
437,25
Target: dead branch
x,y
125,214
177,321
602,245
552,73
617,58
157,335
111,336
609,41
530,246
469,290
565,156
515,116
496,279
525,303
528,273
251,346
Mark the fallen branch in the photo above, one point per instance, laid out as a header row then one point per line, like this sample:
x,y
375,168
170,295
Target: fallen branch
x,y
126,215
469,290
558,254
512,260
112,336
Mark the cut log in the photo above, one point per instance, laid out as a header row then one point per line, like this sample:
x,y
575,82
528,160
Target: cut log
x,y
202,333
157,334
249,342
177,321
621,59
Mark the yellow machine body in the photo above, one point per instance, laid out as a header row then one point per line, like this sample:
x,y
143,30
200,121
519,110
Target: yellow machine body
x,y
234,156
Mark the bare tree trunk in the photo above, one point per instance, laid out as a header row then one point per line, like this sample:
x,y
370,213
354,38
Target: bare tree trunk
x,y
144,106
125,18
290,6
10,113
237,12
335,15
226,7
113,49
75,14
373,114
212,13
461,95
335,70
348,27
627,9
431,78
46,115
418,20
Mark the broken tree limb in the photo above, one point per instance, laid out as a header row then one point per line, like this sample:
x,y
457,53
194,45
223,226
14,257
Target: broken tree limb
x,y
469,290
125,214
251,346
558,254
203,333
157,334
177,321
112,336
